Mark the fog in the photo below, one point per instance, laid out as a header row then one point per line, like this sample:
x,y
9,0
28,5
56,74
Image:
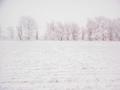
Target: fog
x,y
44,11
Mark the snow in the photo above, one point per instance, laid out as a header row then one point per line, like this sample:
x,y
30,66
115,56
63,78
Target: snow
x,y
59,65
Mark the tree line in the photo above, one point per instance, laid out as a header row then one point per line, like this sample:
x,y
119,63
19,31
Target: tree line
x,y
97,29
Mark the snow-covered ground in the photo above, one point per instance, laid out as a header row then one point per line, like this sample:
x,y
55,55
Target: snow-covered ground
x,y
47,65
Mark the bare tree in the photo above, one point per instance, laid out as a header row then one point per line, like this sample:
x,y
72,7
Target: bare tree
x,y
81,33
100,28
37,35
116,28
60,31
27,28
50,33
20,32
91,29
0,33
74,31
105,27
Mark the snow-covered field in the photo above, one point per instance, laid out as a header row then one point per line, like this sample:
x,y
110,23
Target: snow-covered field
x,y
47,65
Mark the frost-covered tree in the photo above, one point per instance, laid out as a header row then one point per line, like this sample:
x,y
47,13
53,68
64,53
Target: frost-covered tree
x,y
82,33
60,31
105,27
116,28
72,31
100,29
51,33
20,32
27,28
0,33
91,27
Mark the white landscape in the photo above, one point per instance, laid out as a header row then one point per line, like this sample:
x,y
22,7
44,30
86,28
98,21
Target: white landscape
x,y
59,65
59,44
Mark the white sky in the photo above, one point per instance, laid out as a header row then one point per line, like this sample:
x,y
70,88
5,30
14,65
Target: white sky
x,y
56,10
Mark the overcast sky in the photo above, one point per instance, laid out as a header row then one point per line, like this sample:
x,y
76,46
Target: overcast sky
x,y
57,10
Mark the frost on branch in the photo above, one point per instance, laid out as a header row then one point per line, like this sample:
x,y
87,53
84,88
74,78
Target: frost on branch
x,y
60,31
97,29
27,29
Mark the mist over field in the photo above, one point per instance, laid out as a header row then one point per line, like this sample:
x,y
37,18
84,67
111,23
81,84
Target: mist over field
x,y
57,10
59,44
54,11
